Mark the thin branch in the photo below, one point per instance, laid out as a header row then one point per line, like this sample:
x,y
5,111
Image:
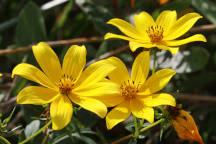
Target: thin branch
x,y
208,27
195,97
110,53
53,43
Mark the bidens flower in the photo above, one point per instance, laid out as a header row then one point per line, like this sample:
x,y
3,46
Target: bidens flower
x,y
63,85
184,125
136,94
161,33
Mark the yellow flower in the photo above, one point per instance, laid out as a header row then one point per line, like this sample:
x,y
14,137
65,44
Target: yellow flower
x,y
161,33
137,93
64,84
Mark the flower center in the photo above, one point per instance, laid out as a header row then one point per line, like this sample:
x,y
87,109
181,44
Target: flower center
x,y
129,90
155,33
66,84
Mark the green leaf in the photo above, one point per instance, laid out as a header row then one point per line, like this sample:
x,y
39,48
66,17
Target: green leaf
x,y
32,128
207,8
8,118
31,26
133,141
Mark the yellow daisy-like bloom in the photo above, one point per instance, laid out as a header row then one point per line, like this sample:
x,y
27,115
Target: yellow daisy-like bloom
x,y
64,84
137,93
161,33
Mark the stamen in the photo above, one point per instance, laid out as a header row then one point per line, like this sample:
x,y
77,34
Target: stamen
x,y
66,84
129,90
155,33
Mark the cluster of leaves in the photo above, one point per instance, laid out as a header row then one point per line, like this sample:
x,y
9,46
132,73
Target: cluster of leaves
x,y
27,22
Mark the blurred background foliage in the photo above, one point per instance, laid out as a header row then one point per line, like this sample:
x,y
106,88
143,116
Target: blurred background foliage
x,y
24,22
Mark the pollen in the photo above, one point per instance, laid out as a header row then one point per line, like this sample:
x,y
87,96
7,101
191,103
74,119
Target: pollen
x,y
66,84
129,90
155,33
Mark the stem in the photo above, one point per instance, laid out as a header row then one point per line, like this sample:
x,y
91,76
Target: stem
x,y
154,63
136,134
38,132
5,140
141,131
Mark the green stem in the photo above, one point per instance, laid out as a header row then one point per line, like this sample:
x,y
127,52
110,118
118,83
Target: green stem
x,y
136,134
154,63
38,132
5,140
141,131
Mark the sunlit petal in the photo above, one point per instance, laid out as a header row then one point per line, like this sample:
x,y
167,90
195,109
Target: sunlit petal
x,y
32,73
197,37
117,115
139,110
74,61
125,27
36,95
135,45
140,68
90,104
166,19
182,26
111,35
157,81
61,111
48,61
143,21
173,50
157,99
120,74
95,73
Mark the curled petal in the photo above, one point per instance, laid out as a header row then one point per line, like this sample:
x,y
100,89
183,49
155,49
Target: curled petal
x,y
135,45
125,27
197,37
173,50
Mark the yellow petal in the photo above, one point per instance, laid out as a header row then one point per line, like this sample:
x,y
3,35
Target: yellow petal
x,y
74,61
32,73
140,68
157,99
90,104
36,95
135,45
117,115
48,61
166,19
61,111
107,92
173,50
111,35
143,21
120,74
139,110
95,72
157,81
197,37
125,28
182,25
